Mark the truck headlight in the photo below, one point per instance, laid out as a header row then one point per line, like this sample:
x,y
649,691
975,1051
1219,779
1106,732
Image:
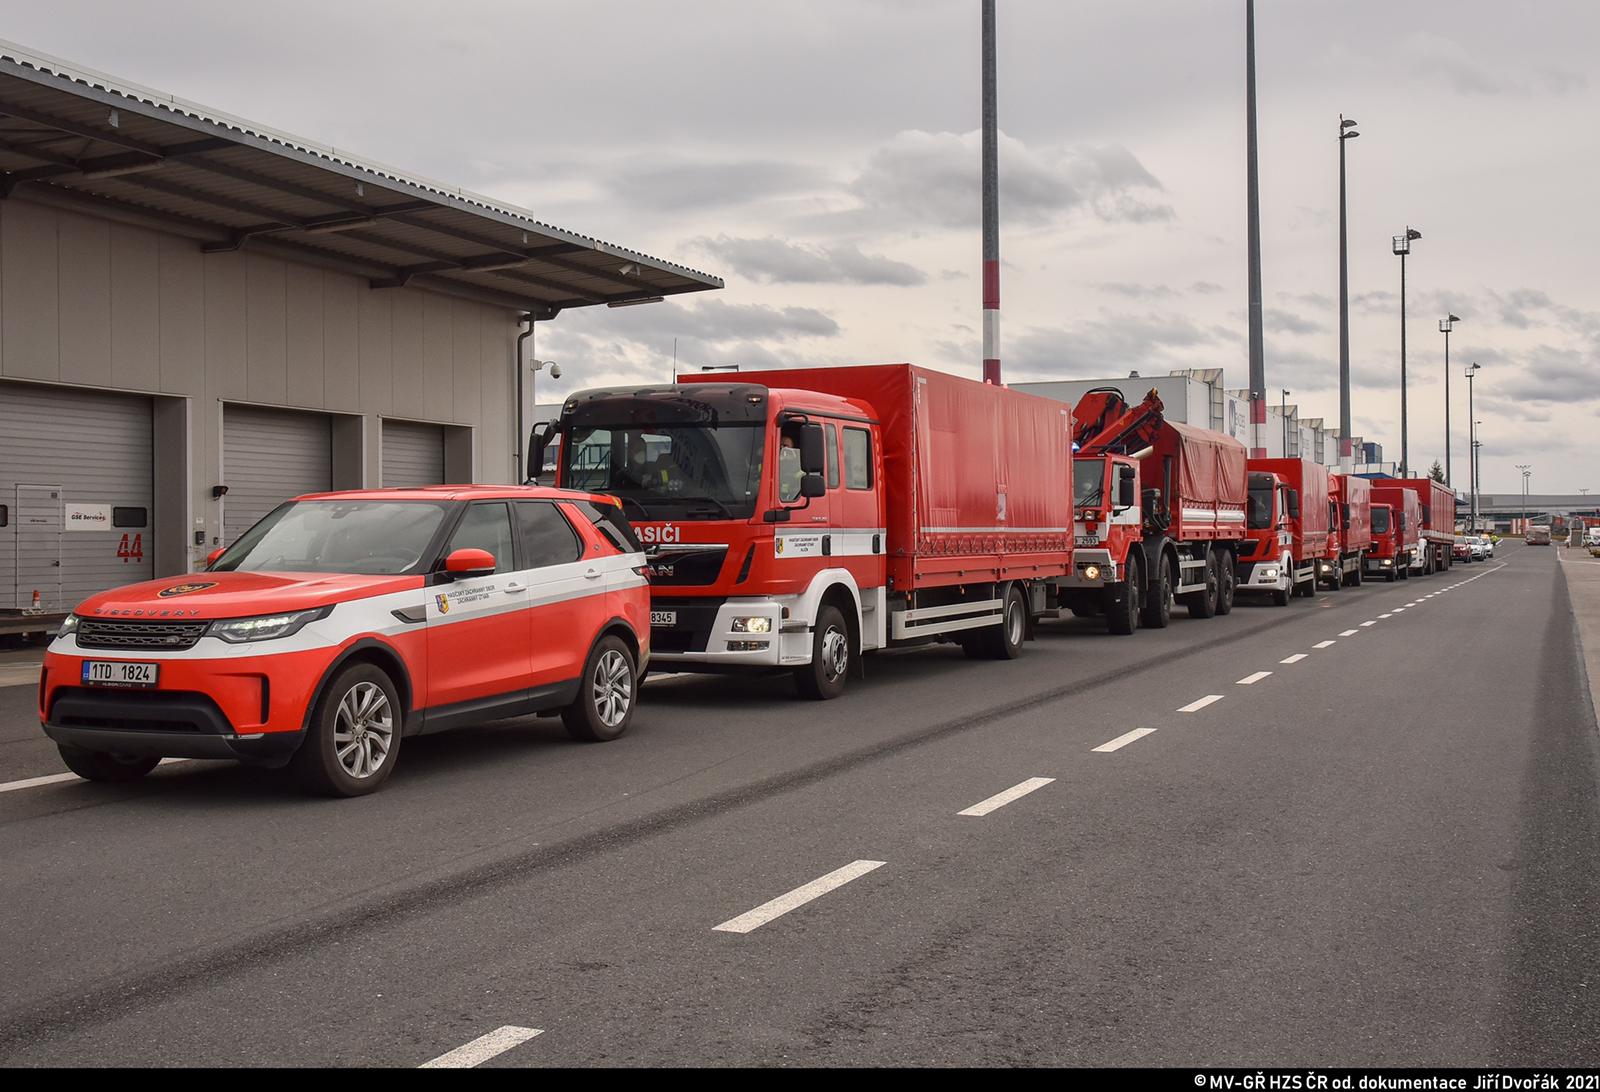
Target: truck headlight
x,y
1269,573
1091,572
762,624
1388,561
238,631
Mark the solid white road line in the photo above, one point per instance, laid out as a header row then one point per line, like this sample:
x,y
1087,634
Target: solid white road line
x,y
1196,706
1123,740
1324,644
57,778
1001,799
1350,633
1251,680
483,1048
767,911
1371,623
1296,658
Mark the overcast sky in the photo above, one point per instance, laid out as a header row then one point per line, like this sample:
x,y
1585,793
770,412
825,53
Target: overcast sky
x,y
823,158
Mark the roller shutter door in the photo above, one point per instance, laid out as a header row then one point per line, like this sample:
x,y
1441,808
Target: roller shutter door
x,y
413,454
269,456
76,480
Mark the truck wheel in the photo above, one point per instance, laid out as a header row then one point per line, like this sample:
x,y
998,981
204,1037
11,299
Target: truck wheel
x,y
1389,577
353,740
1338,576
606,693
104,766
1203,604
823,678
1158,598
1122,612
1225,588
1002,642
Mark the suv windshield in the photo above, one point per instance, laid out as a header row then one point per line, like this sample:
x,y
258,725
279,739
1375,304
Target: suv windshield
x,y
1380,521
669,471
362,537
1088,476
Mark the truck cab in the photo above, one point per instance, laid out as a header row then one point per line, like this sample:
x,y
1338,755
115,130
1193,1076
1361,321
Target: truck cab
x,y
1385,559
1267,563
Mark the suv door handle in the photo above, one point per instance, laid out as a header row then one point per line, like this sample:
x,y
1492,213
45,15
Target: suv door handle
x,y
591,574
513,588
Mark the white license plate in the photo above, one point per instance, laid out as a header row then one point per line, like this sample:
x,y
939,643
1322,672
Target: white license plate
x,y
119,673
1085,541
663,618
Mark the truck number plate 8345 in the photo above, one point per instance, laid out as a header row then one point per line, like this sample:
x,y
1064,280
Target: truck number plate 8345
x,y
119,673
663,618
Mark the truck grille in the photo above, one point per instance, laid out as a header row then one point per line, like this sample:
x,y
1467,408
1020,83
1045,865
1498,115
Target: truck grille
x,y
131,635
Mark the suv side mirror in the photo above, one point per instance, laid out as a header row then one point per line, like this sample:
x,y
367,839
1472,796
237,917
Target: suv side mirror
x,y
211,558
813,453
1294,504
469,562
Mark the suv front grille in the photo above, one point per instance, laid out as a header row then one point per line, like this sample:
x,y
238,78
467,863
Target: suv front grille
x,y
132,635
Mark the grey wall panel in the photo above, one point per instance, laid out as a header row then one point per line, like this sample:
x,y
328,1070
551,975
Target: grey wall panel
x,y
269,456
413,454
97,448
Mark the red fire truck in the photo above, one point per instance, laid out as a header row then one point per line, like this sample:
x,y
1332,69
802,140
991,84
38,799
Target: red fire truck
x,y
1159,514
1436,533
1288,528
1351,516
797,518
1396,545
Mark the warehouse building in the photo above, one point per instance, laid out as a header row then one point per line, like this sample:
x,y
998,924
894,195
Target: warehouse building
x,y
200,317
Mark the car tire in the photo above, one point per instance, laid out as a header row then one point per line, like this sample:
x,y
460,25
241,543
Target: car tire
x,y
106,767
831,648
353,739
608,691
1122,615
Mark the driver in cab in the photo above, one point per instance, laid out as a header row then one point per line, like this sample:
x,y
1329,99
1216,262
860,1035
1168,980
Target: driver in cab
x,y
790,471
643,471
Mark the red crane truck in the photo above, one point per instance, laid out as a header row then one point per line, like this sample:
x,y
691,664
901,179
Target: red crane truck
x,y
1288,528
1351,516
1159,511
797,518
1395,550
1436,533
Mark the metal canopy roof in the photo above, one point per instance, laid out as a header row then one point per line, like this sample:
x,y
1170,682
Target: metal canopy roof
x,y
78,138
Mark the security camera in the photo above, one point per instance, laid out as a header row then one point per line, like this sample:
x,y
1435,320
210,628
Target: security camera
x,y
555,371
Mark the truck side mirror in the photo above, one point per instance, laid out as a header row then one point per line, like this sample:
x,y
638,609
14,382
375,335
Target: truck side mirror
x,y
1127,489
812,485
813,453
538,440
1294,504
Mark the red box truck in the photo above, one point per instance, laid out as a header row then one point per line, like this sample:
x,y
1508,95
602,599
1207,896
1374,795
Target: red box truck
x,y
1288,528
1351,516
1159,511
1436,533
1395,532
797,518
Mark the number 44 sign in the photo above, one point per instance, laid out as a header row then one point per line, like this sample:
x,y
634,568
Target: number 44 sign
x,y
131,548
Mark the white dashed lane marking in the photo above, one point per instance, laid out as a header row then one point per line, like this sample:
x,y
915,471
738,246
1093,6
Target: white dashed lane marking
x,y
483,1048
1001,799
1123,740
1371,623
1196,706
1324,644
1251,680
1349,633
1296,658
768,911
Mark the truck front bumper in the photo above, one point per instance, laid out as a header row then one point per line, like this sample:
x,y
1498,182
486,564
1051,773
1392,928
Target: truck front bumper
x,y
745,632
1259,576
1091,569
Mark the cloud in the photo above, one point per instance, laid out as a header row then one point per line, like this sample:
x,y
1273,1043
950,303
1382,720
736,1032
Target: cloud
x,y
773,261
1205,288
1110,345
1138,291
931,179
1444,59
1290,323
684,186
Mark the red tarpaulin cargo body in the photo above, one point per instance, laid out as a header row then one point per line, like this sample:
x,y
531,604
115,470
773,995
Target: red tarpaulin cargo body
x,y
796,518
1206,471
1290,528
1312,527
1352,529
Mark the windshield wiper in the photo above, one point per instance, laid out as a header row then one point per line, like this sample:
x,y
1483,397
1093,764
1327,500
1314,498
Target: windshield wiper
x,y
723,508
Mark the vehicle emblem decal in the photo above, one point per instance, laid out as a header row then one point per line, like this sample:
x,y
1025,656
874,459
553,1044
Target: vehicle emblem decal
x,y
185,589
443,602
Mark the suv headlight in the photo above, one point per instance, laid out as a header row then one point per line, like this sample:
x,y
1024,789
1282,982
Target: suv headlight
x,y
69,626
752,625
266,628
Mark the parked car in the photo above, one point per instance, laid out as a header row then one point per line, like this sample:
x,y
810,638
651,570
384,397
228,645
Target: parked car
x,y
1461,550
1480,549
342,623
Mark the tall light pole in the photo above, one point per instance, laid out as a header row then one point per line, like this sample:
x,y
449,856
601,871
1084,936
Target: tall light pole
x,y
1445,325
1347,131
1258,368
991,205
1527,472
1284,411
1472,447
1402,247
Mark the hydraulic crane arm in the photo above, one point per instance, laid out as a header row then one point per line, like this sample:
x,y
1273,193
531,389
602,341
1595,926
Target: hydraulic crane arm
x,y
1106,425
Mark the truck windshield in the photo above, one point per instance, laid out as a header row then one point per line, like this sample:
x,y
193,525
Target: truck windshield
x,y
1380,521
1260,512
366,538
1088,476
669,471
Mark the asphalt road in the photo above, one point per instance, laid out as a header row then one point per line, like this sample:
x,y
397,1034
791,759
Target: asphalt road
x,y
1382,852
